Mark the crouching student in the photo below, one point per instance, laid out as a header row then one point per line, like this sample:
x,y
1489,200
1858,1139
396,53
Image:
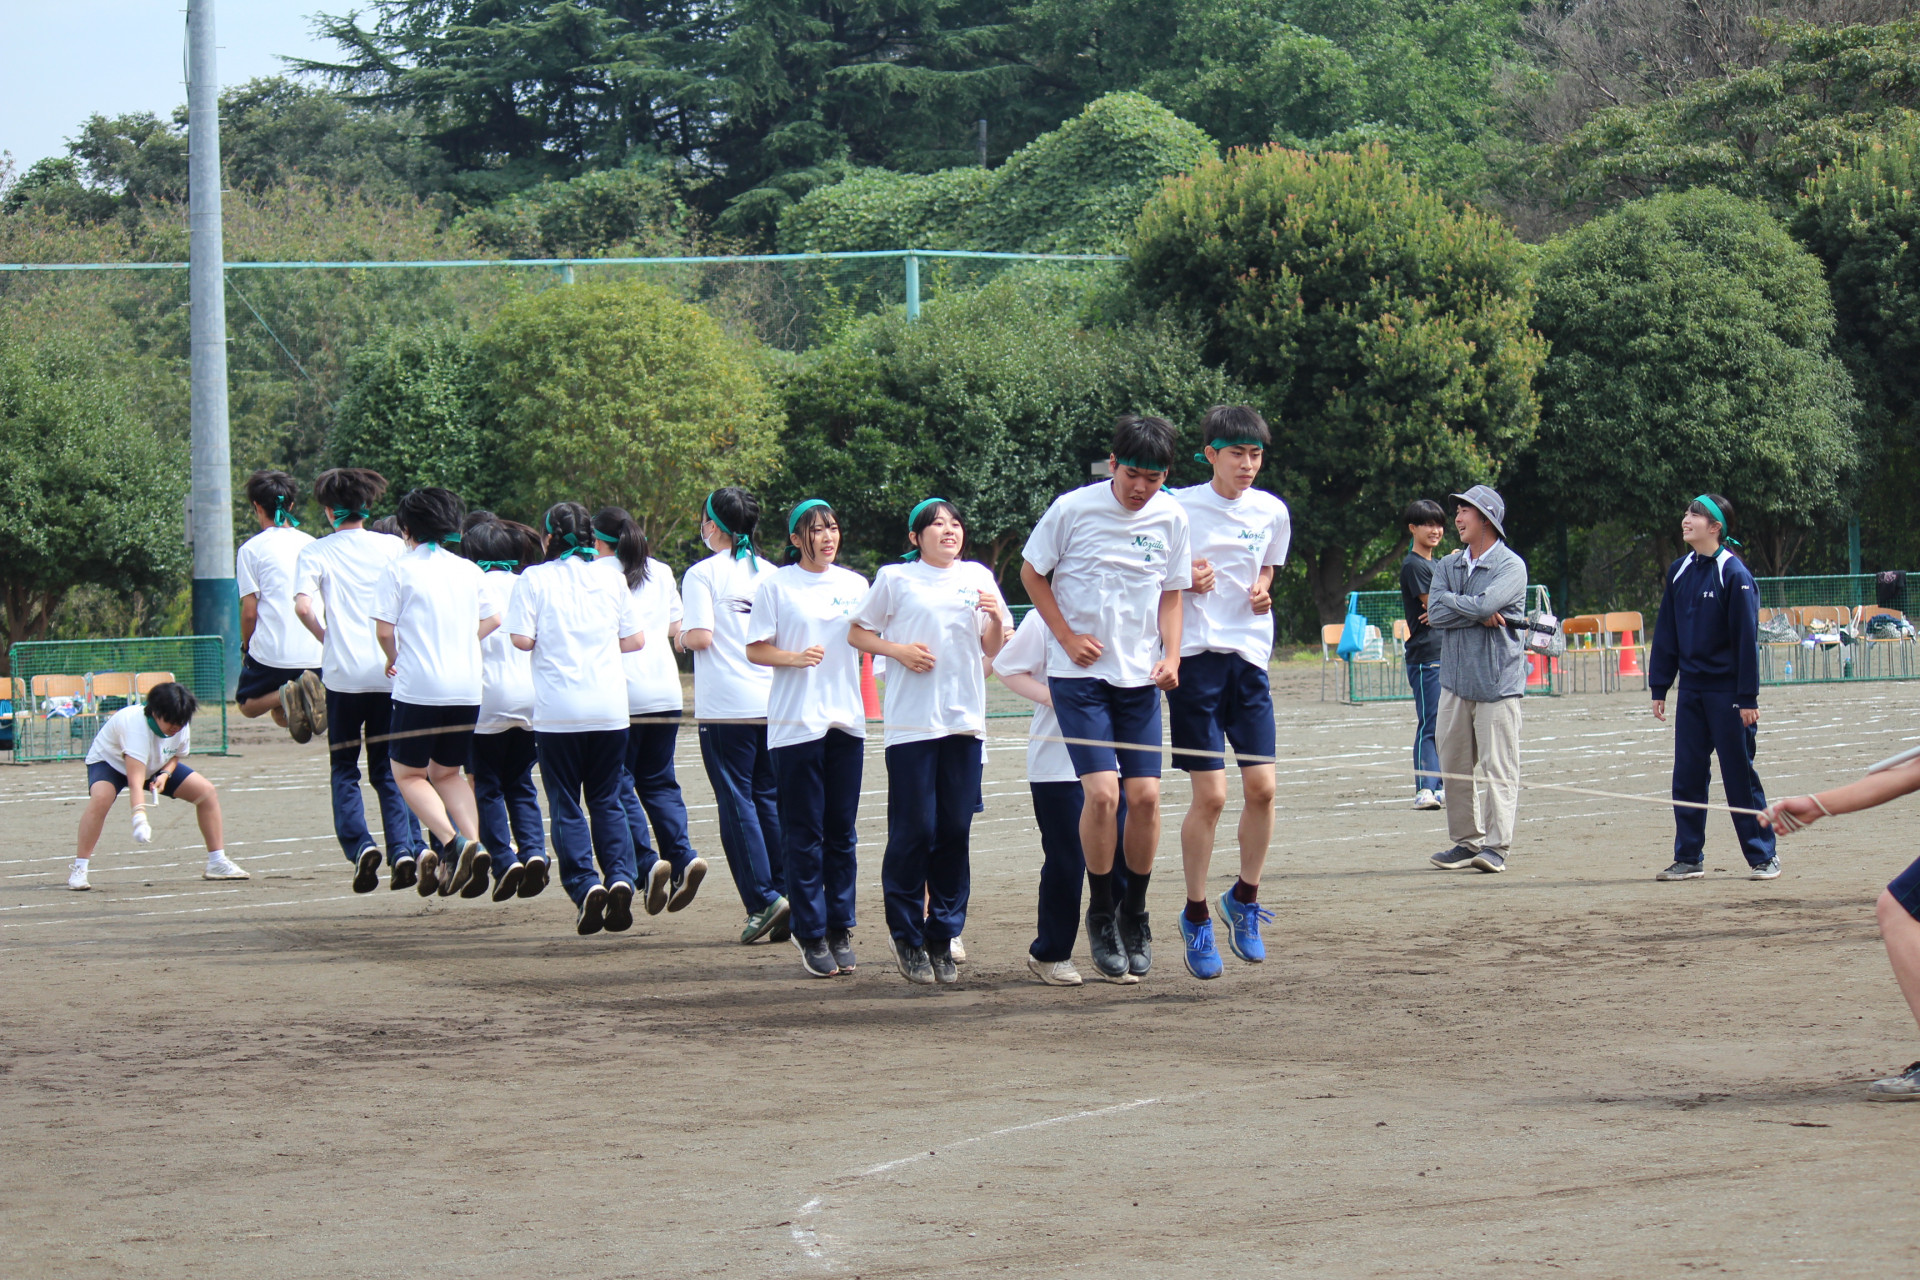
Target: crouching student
x,y
576,620
935,618
816,731
500,760
142,750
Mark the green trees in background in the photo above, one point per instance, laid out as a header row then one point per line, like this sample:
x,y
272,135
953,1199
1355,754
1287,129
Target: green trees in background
x,y
414,409
1384,333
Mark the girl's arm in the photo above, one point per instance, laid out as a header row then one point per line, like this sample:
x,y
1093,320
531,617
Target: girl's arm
x,y
389,645
914,657
1866,793
764,653
993,631
1029,688
303,610
631,644
489,625
695,640
522,643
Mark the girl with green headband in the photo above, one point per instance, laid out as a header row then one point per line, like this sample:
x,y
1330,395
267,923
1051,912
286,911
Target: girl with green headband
x,y
730,698
279,658
816,731
937,619
501,761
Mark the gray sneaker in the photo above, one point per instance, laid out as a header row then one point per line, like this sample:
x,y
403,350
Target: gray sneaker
x,y
914,964
1488,860
1904,1087
1768,870
944,971
1458,858
1683,871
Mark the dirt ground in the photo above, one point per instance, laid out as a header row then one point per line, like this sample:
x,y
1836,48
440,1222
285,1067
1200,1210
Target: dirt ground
x,y
1566,1068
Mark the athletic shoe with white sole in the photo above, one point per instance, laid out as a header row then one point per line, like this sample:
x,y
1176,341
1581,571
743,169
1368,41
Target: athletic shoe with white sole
x,y
944,970
1458,858
366,870
915,967
765,920
1243,927
1202,957
1424,799
592,917
1682,871
1136,935
958,950
659,886
507,883
427,868
1488,860
533,876
316,695
1103,941
840,942
1904,1087
1768,870
77,876
619,917
471,868
816,958
220,868
686,884
293,705
405,872
1055,973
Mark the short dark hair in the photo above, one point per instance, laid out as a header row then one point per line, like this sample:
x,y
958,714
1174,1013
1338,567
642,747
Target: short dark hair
x,y
429,515
1145,442
349,488
1236,422
273,491
385,524
492,541
172,702
1423,511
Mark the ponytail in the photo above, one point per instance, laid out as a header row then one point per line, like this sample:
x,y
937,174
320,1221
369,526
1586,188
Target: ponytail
x,y
736,513
613,526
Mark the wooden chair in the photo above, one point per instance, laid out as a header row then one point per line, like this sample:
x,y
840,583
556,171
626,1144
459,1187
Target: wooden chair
x,y
144,683
1401,634
1329,652
1584,641
1614,645
58,686
109,684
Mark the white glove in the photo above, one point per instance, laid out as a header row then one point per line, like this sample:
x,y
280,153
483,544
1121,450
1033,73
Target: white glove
x,y
142,829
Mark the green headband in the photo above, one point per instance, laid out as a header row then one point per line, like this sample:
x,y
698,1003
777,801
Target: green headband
x,y
1217,445
507,566
913,515
1138,465
793,520
574,546
343,514
742,547
611,539
1713,510
282,518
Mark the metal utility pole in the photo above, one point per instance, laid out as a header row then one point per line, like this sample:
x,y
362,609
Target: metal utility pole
x,y
983,144
216,601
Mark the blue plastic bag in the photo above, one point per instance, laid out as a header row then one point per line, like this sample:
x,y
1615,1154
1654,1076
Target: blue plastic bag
x,y
1353,636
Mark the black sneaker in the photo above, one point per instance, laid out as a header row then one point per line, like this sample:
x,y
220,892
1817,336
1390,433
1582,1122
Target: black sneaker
x,y
619,907
405,872
507,883
1488,860
915,967
429,871
533,876
482,871
782,929
686,883
1682,871
463,854
366,872
815,958
840,942
1137,937
1109,953
593,909
945,971
1458,858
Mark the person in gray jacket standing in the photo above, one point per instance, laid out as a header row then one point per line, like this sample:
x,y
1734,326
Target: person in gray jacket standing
x,y
1477,592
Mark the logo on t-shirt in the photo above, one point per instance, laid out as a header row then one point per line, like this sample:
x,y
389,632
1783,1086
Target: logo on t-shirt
x,y
1252,535
1147,543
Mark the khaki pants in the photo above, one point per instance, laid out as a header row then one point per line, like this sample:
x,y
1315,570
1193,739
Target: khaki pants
x,y
1486,734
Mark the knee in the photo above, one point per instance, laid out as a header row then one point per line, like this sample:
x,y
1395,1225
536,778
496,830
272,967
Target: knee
x,y
1258,792
1143,804
1103,801
1207,803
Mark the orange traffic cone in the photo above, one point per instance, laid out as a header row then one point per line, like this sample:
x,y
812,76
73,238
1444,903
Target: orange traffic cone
x,y
1629,656
1536,671
869,692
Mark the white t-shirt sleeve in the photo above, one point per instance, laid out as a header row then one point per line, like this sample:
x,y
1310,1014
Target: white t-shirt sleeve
x,y
183,745
764,622
1282,538
1048,540
1179,574
877,609
522,608
1026,653
674,610
306,572
386,596
245,577
698,611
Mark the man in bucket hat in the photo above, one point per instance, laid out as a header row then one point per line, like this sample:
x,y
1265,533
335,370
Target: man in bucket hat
x,y
1476,593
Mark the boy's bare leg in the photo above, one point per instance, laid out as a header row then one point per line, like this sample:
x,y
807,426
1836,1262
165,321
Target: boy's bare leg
x,y
93,819
266,704
1198,828
1141,840
200,793
1100,819
1256,822
1901,934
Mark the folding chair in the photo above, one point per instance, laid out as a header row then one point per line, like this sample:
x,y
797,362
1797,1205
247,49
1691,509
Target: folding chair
x,y
1824,656
1401,634
1900,658
1329,652
143,684
1623,634
1583,648
109,684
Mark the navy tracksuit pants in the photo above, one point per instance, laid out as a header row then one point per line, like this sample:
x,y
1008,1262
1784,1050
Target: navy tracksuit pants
x,y
587,765
348,714
502,768
650,792
1056,808
818,783
926,875
741,772
1706,724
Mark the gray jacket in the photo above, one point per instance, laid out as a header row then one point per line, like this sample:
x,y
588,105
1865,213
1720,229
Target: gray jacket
x,y
1478,662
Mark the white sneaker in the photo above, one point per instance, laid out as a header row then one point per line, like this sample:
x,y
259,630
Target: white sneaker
x,y
77,875
218,868
1424,799
958,951
1055,973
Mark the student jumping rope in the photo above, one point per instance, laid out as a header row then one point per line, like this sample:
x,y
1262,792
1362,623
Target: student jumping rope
x,y
1106,567
142,750
816,731
501,756
340,574
649,789
1426,527
730,698
1239,537
1708,633
430,616
576,620
279,658
936,619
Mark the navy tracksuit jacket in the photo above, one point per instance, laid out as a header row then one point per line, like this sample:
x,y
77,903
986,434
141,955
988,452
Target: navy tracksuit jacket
x,y
1708,634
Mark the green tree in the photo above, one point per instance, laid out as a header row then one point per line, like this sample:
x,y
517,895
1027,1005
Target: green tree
x,y
89,494
618,392
1691,351
1383,331
413,407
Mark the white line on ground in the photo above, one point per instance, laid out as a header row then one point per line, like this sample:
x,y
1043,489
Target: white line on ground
x,y
1069,1118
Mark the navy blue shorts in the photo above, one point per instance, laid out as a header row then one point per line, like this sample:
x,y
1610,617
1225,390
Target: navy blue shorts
x,y
1221,698
101,771
440,735
1090,708
256,680
1905,888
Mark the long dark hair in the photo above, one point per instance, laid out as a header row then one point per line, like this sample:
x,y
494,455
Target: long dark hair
x,y
737,513
811,521
629,542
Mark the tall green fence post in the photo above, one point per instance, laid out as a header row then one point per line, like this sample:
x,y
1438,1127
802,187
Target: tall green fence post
x,y
913,286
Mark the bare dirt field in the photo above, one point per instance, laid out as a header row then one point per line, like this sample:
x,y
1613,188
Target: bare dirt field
x,y
1568,1068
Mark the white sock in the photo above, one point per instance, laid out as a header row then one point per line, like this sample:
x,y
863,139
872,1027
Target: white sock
x,y
214,855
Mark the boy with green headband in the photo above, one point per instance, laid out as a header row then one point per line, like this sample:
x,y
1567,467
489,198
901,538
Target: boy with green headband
x,y
279,660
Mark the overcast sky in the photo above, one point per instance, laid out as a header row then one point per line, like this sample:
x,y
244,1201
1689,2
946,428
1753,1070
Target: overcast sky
x,y
63,60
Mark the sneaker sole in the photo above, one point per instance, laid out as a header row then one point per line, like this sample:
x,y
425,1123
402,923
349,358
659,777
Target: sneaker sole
x,y
1892,1097
1771,875
404,876
226,875
1039,971
1437,865
1481,864
806,965
293,705
592,912
1664,878
426,873
462,870
1204,977
619,912
81,888
508,883
533,878
659,885
690,885
316,694
366,872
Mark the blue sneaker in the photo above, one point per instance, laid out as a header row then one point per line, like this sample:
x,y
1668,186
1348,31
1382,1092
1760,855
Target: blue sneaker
x,y
1243,927
1202,957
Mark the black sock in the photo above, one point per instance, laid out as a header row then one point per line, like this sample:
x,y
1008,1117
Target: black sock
x,y
1197,911
1137,891
1244,892
1100,890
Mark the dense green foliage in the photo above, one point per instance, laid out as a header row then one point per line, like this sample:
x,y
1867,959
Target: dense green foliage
x,y
414,409
1384,332
1690,352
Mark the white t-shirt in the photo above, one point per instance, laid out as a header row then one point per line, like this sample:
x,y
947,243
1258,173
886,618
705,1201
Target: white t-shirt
x,y
506,673
1109,566
1238,539
718,594
1026,655
653,679
576,613
343,571
796,610
265,567
432,597
915,603
126,734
